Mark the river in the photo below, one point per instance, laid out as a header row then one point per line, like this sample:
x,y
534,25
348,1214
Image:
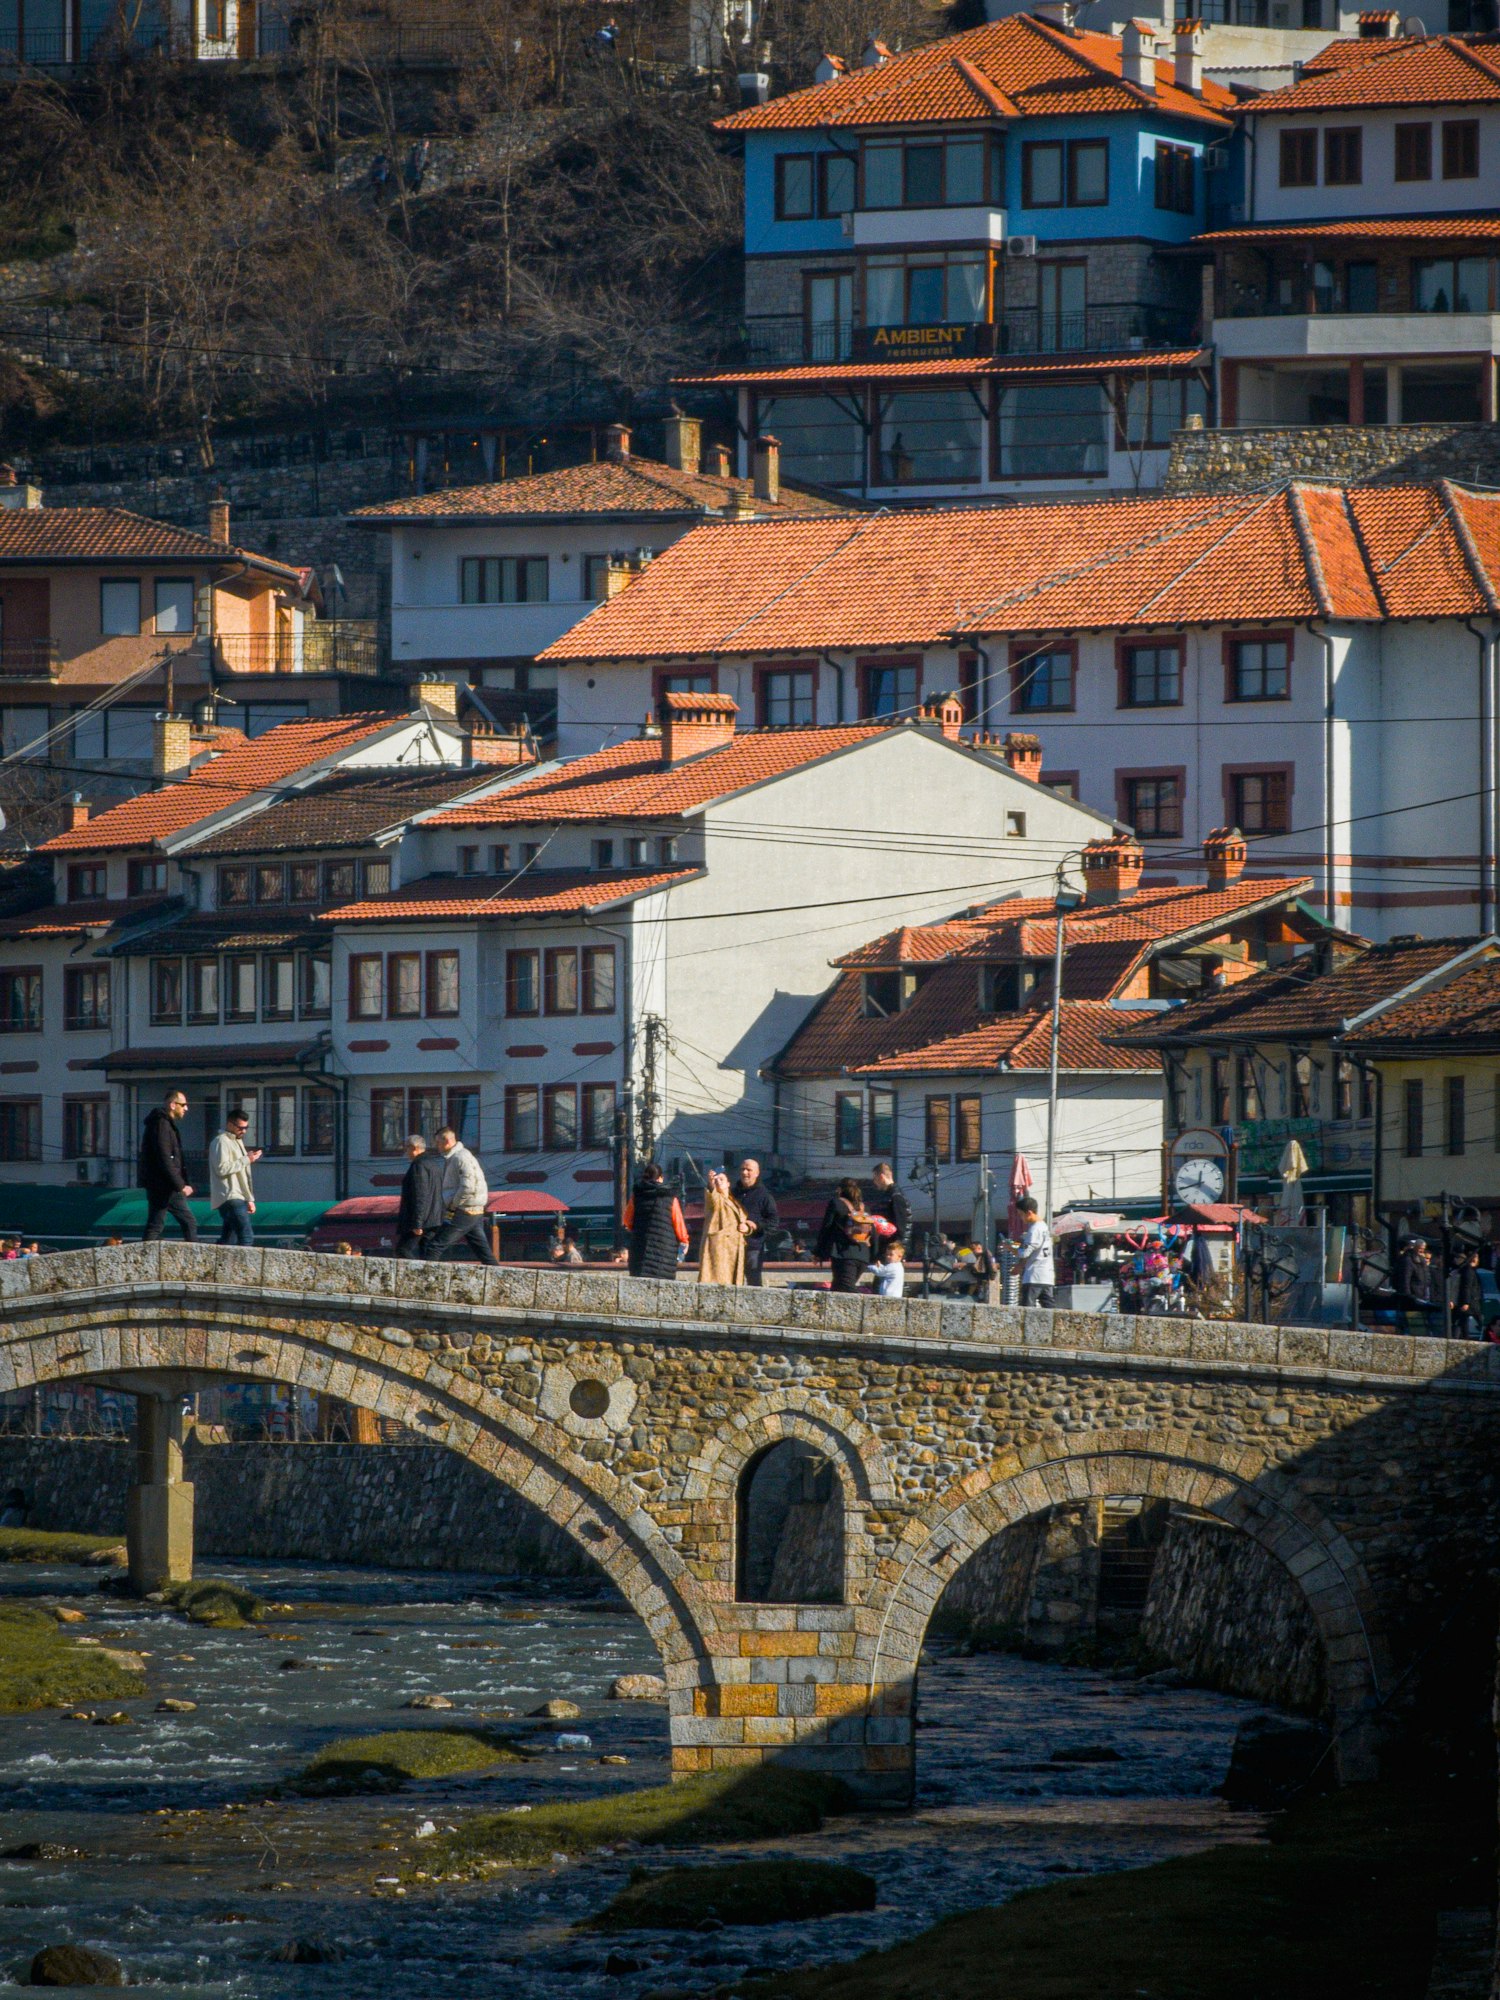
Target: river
x,y
199,1883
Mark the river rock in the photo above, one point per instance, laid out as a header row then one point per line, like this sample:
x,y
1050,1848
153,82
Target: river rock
x,y
173,1705
75,1965
1274,1758
66,1615
558,1711
614,1759
308,1951
293,1666
133,1663
113,1721
428,1701
111,1558
638,1687
42,1850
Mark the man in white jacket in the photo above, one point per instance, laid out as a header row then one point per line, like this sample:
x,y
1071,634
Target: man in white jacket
x,y
466,1197
230,1190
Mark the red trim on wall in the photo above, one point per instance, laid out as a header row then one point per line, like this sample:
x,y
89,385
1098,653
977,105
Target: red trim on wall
x,y
1122,680
1230,772
1122,801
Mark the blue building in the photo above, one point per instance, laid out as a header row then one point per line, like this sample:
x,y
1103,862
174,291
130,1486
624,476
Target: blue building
x,y
968,267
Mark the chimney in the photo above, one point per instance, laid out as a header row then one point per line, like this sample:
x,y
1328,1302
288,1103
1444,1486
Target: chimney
x,y
1061,14
684,443
693,723
500,749
78,811
617,443
1379,27
1224,853
874,54
218,520
14,494
718,461
768,471
947,711
1187,71
439,695
1112,868
618,573
1023,753
171,746
830,67
1138,54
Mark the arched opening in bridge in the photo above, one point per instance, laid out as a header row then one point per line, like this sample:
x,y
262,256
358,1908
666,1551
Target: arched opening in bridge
x,y
789,1545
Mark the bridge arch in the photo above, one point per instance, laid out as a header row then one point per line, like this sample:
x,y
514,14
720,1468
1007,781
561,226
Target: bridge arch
x,y
1237,1487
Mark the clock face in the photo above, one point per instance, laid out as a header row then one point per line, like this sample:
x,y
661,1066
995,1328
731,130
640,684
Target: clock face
x,y
1198,1180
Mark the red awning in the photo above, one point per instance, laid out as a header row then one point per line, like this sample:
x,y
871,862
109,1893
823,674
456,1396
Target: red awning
x,y
383,1207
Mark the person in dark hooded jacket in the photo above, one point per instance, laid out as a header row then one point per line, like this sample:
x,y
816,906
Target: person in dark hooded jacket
x,y
421,1213
653,1217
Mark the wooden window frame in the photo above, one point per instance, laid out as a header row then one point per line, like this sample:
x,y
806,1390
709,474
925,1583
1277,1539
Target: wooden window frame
x,y
937,1111
596,1134
1161,642
514,1093
307,1007
229,972
663,677
196,963
840,1099
271,1009
968,1104
1233,773
1460,133
1128,776
315,1101
779,208
88,881
1344,144
158,967
1413,1118
553,1095
1023,651
136,876
592,956
881,1093
32,1106
357,961
1412,153
407,964
116,583
1232,644
270,875
382,1096
553,959
1176,176
431,983
76,980
867,667
770,670
1077,147
513,961
268,1143
1455,1117
72,1107
235,872
1030,150
1298,151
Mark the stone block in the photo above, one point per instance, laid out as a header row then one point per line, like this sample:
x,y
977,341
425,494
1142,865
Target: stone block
x,y
770,1730
841,1698
510,1288
238,1265
193,1264
1250,1343
756,1698
797,1698
888,1729
924,1319
1350,1350
688,1760
1209,1340
420,1284
1036,1326
1302,1347
594,1292
706,1731
825,1617
778,1645
883,1319
125,1266
70,1270
466,1285
998,1326
735,1759
957,1320
1391,1353
889,1757
757,1305
1163,1334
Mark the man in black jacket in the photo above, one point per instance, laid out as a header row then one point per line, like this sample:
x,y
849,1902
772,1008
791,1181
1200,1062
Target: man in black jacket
x,y
421,1214
890,1201
159,1170
759,1204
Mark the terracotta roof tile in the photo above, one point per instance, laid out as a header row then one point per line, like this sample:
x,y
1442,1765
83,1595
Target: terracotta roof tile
x,y
630,780
226,780
537,892
1398,228
915,578
608,486
110,534
345,809
1033,70
1438,69
916,371
1024,1042
1463,1010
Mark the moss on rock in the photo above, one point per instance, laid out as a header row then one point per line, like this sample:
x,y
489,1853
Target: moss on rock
x,y
381,1763
41,1667
739,1892
46,1545
208,1600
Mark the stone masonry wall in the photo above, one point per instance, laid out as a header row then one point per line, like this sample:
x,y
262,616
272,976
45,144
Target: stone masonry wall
x,y
1238,461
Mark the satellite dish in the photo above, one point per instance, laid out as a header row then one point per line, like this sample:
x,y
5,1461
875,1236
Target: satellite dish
x,y
1415,27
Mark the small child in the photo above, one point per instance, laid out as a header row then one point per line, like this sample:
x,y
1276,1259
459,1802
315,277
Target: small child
x,y
890,1272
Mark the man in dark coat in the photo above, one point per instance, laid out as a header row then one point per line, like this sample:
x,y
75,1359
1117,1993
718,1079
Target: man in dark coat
x,y
654,1220
1468,1296
759,1204
889,1200
159,1170
421,1213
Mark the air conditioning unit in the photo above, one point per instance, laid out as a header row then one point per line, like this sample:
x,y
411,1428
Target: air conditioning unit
x,y
93,1173
1020,246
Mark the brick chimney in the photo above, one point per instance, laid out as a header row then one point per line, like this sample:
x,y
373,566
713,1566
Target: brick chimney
x,y
768,471
1379,27
1138,54
693,723
1112,868
617,443
947,711
1224,853
78,811
171,746
684,443
503,749
436,694
14,495
1187,71
1023,753
718,461
218,520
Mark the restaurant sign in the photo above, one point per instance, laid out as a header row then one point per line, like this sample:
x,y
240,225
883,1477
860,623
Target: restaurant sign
x,y
923,343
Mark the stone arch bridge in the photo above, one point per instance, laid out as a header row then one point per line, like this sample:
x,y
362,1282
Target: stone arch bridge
x,y
631,1411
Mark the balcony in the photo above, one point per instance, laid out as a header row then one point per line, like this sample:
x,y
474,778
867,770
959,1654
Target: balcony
x,y
923,228
322,646
480,631
1273,333
789,341
28,659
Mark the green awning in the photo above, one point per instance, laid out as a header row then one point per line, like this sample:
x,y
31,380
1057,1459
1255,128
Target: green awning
x,y
72,1216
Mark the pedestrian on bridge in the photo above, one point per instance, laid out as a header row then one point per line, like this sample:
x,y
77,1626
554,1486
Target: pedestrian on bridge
x,y
159,1170
653,1216
466,1201
721,1255
760,1211
421,1213
846,1236
231,1193
1038,1269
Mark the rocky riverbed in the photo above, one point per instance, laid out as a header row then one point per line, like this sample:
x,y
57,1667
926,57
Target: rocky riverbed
x,y
159,1839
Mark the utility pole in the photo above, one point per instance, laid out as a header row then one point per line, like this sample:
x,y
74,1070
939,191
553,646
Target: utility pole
x,y
1064,901
648,1102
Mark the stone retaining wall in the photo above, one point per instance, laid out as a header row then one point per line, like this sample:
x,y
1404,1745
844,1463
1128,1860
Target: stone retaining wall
x,y
1373,454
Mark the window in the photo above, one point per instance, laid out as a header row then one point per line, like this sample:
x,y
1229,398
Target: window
x,y
278,1132
86,996
1153,806
317,986
1413,152
1451,284
1154,406
1247,1089
1304,1087
1004,989
603,854
522,981
1260,669
468,861
837,175
891,687
499,861
1015,826
1343,1088
463,1112
87,880
304,882
938,1126
442,983
339,881
929,436
236,886
246,1101
166,992
599,1116
849,1123
638,852
239,988
279,990
120,607
1175,187
1413,1118
424,1111
173,604
387,1121
1042,173
403,985
366,987
522,1117
377,878
881,995
85,1128
530,849
502,580
560,1118
20,1129
1220,1105
1053,429
932,173
1299,159
317,1122
560,984
967,1125
787,697
1151,674
1454,1126
599,979
270,883
796,182
1041,677
1259,801
203,989
1361,287
926,288
1460,149
147,878
666,850
1343,156
883,1122
1088,173
20,1000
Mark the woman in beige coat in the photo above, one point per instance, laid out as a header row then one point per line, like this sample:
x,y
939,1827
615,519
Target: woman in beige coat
x,y
721,1257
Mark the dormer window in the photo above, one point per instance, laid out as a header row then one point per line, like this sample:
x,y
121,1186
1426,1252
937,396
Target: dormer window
x,y
888,993
1006,989
86,882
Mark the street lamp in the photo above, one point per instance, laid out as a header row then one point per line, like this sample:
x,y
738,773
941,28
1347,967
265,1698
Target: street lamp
x,y
1064,899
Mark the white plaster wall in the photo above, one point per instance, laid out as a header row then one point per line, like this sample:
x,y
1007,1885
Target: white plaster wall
x,y
1379,193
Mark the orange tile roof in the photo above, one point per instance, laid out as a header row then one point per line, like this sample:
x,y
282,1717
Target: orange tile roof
x,y
1024,1042
630,780
609,486
1437,69
226,780
536,893
911,371
1461,1014
918,577
1401,228
1018,67
110,534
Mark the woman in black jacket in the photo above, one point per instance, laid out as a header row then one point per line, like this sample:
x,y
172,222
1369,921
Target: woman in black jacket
x,y
844,1238
654,1219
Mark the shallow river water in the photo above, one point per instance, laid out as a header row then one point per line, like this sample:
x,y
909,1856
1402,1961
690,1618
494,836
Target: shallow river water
x,y
197,1881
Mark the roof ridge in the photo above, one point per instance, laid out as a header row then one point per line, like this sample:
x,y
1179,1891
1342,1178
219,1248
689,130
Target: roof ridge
x,y
984,87
1464,535
1471,56
1311,554
1365,554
